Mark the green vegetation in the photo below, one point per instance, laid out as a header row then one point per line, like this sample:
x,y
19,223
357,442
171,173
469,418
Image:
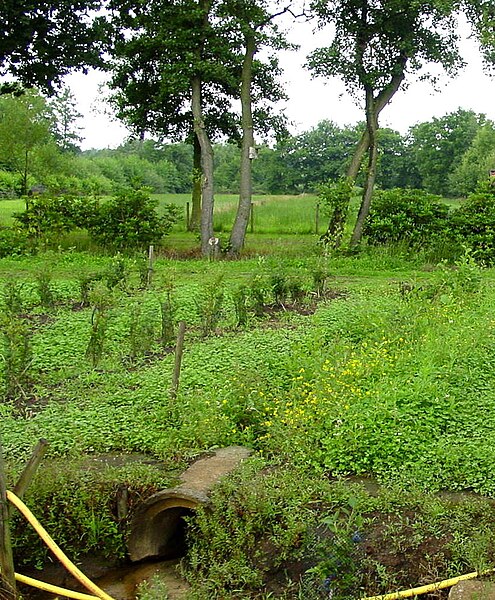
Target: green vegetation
x,y
331,367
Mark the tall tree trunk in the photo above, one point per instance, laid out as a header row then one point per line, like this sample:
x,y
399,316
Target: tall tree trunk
x,y
195,221
357,157
372,128
238,233
207,203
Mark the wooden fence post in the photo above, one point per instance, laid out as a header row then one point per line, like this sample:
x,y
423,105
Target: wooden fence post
x,y
179,350
151,260
30,469
7,576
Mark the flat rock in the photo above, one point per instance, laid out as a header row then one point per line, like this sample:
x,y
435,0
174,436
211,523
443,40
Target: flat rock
x,y
473,589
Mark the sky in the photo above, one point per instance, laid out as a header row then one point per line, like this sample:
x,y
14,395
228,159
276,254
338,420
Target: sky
x,y
312,100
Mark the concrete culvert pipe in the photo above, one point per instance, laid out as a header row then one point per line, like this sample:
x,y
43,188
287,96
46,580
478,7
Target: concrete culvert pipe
x,y
158,527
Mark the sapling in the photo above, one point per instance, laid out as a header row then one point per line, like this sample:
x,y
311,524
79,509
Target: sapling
x,y
209,304
12,298
17,356
278,283
141,331
45,289
257,295
101,300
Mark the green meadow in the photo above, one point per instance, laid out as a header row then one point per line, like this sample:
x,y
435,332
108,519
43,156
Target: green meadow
x,y
364,386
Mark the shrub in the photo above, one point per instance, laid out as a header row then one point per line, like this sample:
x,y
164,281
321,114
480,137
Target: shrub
x,y
130,220
13,242
473,224
413,216
10,184
48,215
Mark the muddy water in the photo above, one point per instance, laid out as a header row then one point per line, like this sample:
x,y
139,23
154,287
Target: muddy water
x,y
121,583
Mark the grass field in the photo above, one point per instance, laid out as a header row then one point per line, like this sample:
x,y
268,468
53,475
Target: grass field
x,y
364,385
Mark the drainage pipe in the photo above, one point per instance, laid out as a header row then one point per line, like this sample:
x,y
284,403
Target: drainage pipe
x,y
157,528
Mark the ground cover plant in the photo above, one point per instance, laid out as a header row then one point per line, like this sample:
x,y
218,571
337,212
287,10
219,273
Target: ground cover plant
x,y
329,367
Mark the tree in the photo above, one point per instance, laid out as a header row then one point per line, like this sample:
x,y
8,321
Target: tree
x,y
439,145
396,161
319,154
65,117
254,22
25,126
42,41
173,76
375,43
476,162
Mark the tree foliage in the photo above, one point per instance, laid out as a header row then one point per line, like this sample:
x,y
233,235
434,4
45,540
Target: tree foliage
x,y
406,215
42,41
439,146
25,128
130,220
375,43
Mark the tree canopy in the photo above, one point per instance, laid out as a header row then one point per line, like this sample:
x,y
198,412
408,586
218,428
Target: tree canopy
x,y
41,41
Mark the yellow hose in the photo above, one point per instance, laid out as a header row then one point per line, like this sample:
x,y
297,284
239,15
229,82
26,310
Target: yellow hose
x,y
432,587
68,564
53,589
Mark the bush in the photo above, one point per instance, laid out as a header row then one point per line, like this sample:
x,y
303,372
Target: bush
x,y
413,216
48,215
130,220
10,184
13,242
473,224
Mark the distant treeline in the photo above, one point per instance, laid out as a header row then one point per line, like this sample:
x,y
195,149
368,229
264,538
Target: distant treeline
x,y
446,156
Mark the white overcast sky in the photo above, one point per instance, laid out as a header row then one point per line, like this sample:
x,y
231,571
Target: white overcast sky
x,y
310,101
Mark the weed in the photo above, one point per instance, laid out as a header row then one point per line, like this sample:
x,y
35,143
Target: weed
x,y
209,305
338,568
45,289
12,297
257,295
152,589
